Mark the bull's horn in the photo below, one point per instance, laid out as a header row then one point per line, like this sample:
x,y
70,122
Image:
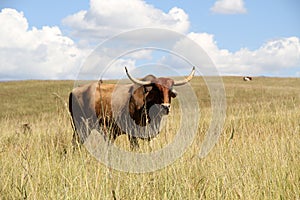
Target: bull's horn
x,y
187,79
136,81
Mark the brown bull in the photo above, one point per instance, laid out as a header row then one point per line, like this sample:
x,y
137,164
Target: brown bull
x,y
135,109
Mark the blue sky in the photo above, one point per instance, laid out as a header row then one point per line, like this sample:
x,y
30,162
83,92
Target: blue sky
x,y
240,36
264,20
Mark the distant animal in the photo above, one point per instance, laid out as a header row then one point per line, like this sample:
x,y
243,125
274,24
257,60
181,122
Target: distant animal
x,y
247,78
123,108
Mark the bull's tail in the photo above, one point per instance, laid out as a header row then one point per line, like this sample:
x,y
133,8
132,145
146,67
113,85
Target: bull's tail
x,y
70,105
75,139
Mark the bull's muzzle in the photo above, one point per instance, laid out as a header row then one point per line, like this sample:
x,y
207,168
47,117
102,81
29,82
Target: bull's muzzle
x,y
166,107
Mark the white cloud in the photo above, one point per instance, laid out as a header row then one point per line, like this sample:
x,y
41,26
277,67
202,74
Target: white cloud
x,y
273,57
107,18
278,57
47,54
229,7
35,53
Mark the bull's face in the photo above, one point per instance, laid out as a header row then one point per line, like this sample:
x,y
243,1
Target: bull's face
x,y
156,91
160,93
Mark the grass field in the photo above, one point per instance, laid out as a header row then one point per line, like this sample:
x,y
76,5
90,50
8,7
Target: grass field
x,y
256,157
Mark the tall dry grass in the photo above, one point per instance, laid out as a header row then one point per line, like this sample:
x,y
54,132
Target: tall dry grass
x,y
257,156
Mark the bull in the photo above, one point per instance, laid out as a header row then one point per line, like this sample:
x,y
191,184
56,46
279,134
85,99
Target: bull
x,y
134,109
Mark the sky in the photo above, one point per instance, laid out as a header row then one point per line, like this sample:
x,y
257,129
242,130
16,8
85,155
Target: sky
x,y
54,39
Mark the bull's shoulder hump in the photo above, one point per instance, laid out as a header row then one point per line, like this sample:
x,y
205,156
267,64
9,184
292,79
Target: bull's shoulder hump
x,y
149,77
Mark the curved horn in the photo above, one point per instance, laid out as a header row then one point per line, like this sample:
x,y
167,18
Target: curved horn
x,y
136,81
187,79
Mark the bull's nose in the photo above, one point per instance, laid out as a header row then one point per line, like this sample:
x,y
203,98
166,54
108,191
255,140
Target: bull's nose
x,y
166,106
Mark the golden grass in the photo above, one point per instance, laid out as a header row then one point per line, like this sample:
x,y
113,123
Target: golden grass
x,y
257,156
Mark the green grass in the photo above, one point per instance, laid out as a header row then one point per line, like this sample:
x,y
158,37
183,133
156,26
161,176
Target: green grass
x,y
256,157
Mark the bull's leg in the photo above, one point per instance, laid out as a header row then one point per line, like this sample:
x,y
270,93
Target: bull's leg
x,y
149,143
110,131
134,144
80,135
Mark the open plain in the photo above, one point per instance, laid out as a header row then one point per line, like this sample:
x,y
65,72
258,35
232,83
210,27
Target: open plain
x,y
256,157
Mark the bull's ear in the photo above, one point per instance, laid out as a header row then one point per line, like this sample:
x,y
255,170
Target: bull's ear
x,y
147,88
173,93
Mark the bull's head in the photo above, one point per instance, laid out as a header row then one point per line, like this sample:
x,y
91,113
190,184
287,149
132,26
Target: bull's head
x,y
156,91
